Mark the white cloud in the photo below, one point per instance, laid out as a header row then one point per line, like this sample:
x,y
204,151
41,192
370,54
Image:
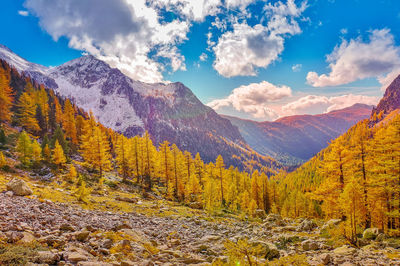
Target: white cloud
x,y
238,3
314,104
254,99
355,59
244,49
120,32
297,67
192,9
203,57
23,13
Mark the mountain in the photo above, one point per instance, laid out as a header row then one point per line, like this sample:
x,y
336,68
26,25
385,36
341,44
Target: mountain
x,y
294,139
391,98
169,111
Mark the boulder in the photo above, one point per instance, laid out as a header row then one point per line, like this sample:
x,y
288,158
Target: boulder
x,y
125,199
371,233
331,224
82,235
270,250
306,225
19,187
325,258
27,237
344,251
75,257
107,244
308,245
273,219
47,257
94,263
67,227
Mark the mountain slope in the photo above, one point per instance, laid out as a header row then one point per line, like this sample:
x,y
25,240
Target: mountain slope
x,y
391,98
168,111
297,138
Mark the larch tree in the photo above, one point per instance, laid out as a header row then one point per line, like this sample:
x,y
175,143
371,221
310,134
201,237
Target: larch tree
x,y
69,123
122,156
58,155
219,165
95,148
24,148
6,96
3,161
27,112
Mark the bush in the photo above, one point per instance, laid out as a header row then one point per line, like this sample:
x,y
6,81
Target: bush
x,y
19,254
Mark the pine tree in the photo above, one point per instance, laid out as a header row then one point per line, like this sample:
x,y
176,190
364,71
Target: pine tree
x,y
6,96
58,155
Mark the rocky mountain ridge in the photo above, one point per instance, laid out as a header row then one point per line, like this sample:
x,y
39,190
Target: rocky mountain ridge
x,y
295,139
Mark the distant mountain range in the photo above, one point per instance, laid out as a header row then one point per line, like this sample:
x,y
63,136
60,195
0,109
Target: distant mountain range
x,y
170,111
295,139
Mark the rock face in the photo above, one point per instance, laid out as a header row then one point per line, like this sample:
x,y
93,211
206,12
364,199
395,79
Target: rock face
x,y
19,187
391,99
297,138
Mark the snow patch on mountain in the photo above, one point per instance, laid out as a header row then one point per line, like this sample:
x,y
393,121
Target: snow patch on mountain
x,y
18,62
113,110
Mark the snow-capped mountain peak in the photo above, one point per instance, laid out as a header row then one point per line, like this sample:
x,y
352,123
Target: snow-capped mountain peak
x,y
169,111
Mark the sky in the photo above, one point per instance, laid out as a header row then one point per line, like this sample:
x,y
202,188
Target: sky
x,y
258,60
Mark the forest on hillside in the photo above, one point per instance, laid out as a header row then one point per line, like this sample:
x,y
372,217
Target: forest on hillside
x,y
355,180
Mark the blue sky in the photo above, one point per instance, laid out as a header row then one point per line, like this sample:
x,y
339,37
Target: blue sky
x,y
259,62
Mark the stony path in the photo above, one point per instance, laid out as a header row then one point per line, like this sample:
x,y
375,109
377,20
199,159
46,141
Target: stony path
x,y
178,240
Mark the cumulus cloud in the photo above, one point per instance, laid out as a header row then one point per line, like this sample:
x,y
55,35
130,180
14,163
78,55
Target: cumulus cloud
x,y
313,104
355,59
244,49
254,99
191,9
120,32
297,67
23,13
203,57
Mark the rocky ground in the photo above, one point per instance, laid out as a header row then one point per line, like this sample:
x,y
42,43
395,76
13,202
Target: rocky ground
x,y
71,235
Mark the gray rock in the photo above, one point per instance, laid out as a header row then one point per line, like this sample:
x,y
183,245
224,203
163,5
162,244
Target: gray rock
x,y
47,257
344,251
371,233
306,225
75,257
107,243
325,258
19,187
308,245
82,235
